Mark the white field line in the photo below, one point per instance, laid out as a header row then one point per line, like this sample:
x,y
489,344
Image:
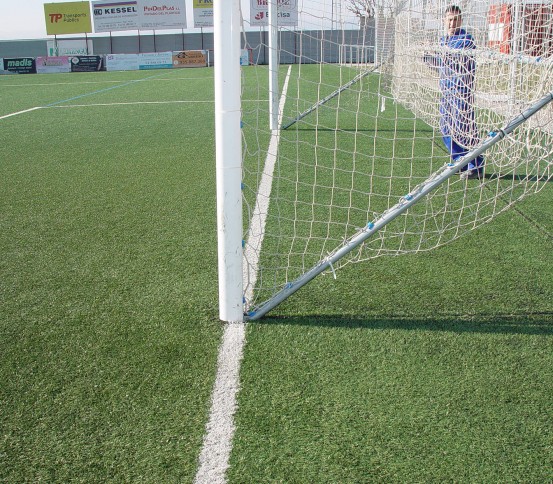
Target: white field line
x,y
69,106
217,444
261,209
34,84
20,112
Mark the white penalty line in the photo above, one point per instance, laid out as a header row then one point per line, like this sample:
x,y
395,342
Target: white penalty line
x,y
217,443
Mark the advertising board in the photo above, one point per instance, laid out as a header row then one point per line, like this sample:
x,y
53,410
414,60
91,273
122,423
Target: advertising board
x,y
203,13
287,12
20,65
67,18
190,58
86,63
52,65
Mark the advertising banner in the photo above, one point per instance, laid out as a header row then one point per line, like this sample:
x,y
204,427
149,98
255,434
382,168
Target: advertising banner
x,y
287,13
20,65
69,47
67,18
162,14
114,16
155,60
203,13
138,15
190,58
86,63
52,65
122,62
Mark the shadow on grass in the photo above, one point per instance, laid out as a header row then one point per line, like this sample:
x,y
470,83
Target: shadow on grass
x,y
531,324
357,130
515,177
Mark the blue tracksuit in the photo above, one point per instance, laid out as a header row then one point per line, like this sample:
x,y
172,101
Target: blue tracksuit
x,y
457,123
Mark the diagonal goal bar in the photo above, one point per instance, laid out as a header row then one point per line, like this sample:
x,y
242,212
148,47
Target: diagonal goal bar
x,y
405,202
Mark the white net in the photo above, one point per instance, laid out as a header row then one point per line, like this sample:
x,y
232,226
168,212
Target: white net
x,y
375,108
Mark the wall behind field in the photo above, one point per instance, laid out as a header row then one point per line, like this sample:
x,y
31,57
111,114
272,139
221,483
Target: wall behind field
x,y
311,46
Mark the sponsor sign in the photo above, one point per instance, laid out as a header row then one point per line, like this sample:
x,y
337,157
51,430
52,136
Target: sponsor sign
x,y
122,62
203,13
69,47
117,15
190,58
134,62
162,14
20,65
155,60
287,12
86,63
67,18
138,15
52,65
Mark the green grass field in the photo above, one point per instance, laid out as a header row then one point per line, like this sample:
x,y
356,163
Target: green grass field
x,y
429,367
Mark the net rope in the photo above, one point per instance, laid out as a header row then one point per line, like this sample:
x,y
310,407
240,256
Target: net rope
x,y
360,149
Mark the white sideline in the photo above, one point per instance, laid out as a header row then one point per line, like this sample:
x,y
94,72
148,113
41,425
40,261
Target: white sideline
x,y
217,444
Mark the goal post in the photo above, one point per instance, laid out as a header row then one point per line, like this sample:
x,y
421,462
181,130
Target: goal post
x,y
228,154
401,151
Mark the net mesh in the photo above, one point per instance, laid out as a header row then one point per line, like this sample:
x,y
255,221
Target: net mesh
x,y
375,107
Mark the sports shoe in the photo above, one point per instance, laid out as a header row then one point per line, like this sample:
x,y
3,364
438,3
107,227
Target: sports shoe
x,y
471,175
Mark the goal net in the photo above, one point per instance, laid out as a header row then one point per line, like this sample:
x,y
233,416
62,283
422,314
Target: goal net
x,y
394,136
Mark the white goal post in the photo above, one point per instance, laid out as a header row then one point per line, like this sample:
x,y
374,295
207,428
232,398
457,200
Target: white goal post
x,y
228,157
368,137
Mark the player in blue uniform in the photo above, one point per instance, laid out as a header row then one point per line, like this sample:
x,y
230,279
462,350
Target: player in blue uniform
x,y
457,70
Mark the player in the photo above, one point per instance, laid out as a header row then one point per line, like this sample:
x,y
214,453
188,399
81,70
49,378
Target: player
x,y
457,68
